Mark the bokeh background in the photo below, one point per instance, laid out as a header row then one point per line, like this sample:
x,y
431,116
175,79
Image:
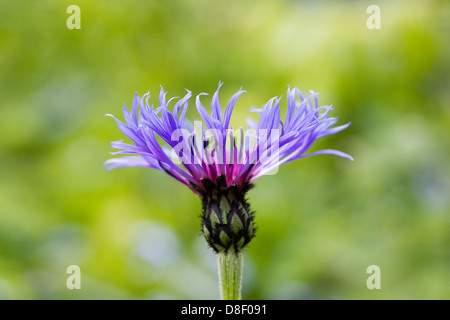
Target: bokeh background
x,y
135,232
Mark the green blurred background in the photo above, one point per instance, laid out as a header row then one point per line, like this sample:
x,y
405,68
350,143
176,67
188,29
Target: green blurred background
x,y
135,232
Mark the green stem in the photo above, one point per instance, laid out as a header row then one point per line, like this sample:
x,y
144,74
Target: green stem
x,y
230,265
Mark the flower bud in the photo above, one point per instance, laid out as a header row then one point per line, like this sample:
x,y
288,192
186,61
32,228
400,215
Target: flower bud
x,y
226,219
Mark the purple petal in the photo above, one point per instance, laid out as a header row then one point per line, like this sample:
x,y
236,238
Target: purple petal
x,y
127,131
334,130
216,110
229,108
162,97
132,161
210,123
182,103
329,151
290,106
134,106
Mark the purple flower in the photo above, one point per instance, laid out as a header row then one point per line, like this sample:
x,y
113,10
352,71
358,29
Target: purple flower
x,y
216,161
304,123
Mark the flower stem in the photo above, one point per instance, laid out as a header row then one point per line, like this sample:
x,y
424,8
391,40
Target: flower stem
x,y
230,265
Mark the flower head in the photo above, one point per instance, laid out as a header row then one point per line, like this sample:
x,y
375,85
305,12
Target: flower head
x,y
216,161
